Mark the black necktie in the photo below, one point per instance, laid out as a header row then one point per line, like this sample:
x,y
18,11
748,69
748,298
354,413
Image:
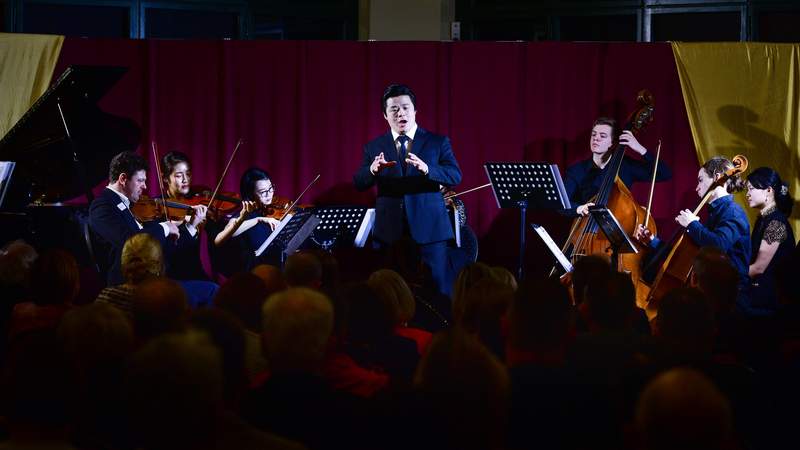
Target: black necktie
x,y
401,154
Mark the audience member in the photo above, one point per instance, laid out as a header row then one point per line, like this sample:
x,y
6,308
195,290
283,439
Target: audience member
x,y
393,290
682,409
303,269
159,307
141,259
55,282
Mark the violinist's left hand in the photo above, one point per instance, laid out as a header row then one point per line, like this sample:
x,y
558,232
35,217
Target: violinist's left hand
x,y
200,212
413,160
686,217
627,138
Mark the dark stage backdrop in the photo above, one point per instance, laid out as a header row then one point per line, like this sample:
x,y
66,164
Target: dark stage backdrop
x,y
306,108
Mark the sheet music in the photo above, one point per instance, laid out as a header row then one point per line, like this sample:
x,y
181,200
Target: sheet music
x,y
274,234
553,247
6,170
365,228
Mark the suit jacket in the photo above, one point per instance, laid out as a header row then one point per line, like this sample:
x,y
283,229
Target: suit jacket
x,y
412,193
113,224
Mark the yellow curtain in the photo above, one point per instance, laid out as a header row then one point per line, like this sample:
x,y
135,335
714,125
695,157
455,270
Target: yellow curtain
x,y
27,62
742,98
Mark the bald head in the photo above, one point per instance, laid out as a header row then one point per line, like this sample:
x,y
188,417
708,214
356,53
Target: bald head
x,y
683,409
271,276
303,270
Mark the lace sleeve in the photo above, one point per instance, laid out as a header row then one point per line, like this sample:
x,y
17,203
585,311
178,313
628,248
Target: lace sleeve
x,y
775,232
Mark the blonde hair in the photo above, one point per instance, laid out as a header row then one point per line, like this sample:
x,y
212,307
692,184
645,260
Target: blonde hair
x,y
141,258
390,286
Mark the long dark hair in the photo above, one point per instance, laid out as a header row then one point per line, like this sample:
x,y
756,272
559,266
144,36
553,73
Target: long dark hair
x,y
766,177
248,182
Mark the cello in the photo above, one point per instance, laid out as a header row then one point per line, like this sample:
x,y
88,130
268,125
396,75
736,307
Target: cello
x,y
675,268
586,238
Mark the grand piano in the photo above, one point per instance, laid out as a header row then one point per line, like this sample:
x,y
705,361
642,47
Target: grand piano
x,y
62,147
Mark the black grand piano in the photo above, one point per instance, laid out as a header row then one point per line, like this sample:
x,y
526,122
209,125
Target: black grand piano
x,y
62,147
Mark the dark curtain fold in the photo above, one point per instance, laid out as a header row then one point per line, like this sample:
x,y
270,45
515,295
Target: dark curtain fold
x,y
305,108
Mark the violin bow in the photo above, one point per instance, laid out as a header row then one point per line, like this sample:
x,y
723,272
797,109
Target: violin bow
x,y
652,185
160,180
300,196
224,172
448,197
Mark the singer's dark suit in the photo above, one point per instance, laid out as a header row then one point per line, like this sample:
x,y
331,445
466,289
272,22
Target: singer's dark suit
x,y
413,197
113,223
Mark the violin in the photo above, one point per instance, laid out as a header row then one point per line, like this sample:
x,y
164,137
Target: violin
x,y
147,209
223,206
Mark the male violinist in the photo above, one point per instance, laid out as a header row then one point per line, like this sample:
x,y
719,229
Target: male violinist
x,y
112,221
408,164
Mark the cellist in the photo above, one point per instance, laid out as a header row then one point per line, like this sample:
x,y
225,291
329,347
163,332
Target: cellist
x,y
726,228
583,179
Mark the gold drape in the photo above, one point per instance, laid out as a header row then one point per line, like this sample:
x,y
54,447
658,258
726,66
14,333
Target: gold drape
x,y
742,98
27,62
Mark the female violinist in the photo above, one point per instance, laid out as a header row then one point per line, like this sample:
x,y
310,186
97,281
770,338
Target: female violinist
x,y
584,178
772,239
726,228
183,261
246,232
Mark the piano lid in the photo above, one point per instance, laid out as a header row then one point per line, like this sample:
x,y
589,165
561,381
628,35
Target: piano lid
x,y
53,165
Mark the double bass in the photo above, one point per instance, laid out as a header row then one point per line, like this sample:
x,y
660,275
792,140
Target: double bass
x,y
586,238
674,260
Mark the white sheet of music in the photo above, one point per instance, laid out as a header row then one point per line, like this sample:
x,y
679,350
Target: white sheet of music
x,y
6,169
553,247
274,233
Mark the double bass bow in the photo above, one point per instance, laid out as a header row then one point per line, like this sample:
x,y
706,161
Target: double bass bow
x,y
673,261
585,237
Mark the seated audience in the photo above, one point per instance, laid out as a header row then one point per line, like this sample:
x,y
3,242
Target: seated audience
x,y
55,281
141,259
682,409
391,287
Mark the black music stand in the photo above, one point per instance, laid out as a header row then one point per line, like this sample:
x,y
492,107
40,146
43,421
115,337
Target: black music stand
x,y
620,242
287,237
524,185
342,226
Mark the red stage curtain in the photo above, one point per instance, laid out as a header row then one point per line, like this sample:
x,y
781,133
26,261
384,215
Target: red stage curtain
x,y
305,108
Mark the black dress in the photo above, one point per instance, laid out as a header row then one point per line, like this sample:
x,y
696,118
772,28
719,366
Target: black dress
x,y
770,227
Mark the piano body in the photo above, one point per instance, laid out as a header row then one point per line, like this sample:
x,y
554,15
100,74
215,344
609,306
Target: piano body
x,y
62,147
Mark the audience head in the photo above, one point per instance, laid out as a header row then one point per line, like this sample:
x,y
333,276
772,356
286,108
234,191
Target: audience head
x,y
297,324
174,388
468,277
764,186
391,287
682,409
466,390
95,337
505,276
227,334
370,317
16,260
142,257
303,269
243,295
715,276
685,324
611,302
588,271
271,276
159,306
481,310
541,316
55,278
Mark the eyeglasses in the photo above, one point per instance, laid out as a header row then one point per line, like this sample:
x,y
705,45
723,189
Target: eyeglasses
x,y
266,191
